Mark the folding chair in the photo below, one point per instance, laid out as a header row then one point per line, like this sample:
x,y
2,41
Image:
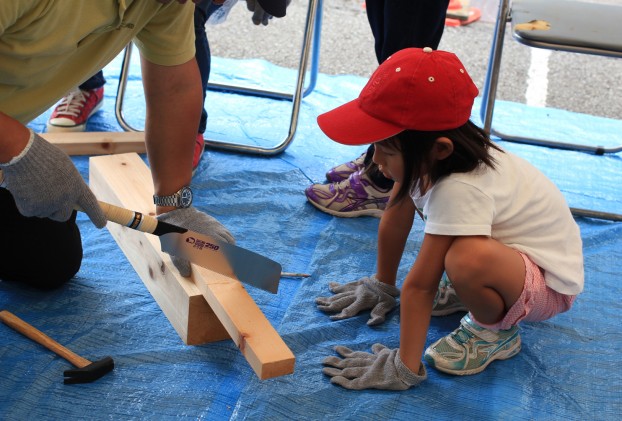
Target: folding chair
x,y
571,26
311,42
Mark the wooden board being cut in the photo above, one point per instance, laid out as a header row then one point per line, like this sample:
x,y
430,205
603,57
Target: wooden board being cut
x,y
97,143
204,308
124,180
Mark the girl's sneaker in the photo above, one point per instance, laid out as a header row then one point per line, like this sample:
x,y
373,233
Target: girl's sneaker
x,y
446,301
343,171
352,197
470,348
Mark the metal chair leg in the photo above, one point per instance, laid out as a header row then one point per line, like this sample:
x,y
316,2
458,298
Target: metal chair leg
x,y
490,92
311,41
494,63
488,104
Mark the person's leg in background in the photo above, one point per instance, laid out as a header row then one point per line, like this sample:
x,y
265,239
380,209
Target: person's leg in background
x,y
399,24
202,11
357,187
73,111
37,251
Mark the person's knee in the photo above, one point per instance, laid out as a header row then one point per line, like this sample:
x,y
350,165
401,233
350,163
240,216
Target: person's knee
x,y
37,251
45,272
466,260
59,274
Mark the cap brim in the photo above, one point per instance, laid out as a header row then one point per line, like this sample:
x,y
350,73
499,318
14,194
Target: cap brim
x,y
274,7
350,125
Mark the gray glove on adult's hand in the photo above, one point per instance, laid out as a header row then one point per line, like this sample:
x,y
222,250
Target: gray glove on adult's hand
x,y
197,221
260,16
364,294
383,369
45,183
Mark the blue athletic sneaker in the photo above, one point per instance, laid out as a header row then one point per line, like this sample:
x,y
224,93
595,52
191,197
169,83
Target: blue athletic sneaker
x,y
446,300
470,348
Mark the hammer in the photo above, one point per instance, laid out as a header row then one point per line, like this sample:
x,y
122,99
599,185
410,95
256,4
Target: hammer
x,y
86,371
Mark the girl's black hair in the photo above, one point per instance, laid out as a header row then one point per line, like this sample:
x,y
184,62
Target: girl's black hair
x,y
471,149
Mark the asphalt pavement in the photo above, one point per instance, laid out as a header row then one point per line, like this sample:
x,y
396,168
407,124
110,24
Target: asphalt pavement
x,y
575,82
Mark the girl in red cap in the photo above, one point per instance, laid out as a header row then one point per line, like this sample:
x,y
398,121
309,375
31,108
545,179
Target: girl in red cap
x,y
498,234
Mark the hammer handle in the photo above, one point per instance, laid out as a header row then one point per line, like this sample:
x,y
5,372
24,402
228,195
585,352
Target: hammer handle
x,y
41,338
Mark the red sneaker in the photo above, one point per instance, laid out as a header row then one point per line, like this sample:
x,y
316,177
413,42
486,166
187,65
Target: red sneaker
x,y
73,111
199,148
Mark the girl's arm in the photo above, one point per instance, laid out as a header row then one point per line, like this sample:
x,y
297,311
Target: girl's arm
x,y
395,225
417,297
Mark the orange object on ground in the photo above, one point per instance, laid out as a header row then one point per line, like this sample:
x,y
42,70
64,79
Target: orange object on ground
x,y
460,13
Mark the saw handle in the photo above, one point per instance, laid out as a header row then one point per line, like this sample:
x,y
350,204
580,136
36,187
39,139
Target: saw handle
x,y
129,218
41,338
137,220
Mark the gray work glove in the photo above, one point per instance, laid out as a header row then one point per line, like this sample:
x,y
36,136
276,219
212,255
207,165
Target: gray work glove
x,y
45,183
365,294
383,369
197,221
260,16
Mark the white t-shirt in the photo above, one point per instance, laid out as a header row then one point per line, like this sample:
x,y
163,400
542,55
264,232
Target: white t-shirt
x,y
516,205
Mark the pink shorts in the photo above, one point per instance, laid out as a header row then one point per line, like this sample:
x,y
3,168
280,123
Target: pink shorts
x,y
537,302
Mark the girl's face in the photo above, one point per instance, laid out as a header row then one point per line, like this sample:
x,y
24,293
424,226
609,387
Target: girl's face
x,y
389,160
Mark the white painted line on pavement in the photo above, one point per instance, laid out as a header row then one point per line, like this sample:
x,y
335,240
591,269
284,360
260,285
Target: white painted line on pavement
x,y
538,77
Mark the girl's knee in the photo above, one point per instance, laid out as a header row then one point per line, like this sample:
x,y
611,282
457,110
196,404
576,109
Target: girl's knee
x,y
466,260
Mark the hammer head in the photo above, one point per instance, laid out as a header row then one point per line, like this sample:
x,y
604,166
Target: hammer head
x,y
89,373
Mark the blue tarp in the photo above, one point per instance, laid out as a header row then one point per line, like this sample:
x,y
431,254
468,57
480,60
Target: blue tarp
x,y
568,369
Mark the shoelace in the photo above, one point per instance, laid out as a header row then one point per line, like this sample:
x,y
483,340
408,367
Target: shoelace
x,y
354,182
72,103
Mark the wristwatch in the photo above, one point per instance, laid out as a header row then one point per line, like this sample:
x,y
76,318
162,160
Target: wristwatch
x,y
181,199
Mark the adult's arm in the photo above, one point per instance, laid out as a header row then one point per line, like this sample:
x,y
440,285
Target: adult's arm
x,y
42,179
174,98
13,138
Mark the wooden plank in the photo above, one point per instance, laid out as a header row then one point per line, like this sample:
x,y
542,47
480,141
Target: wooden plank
x,y
260,344
122,180
97,143
125,180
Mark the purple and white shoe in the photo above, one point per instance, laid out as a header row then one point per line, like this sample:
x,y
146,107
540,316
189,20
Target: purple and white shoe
x,y
343,171
352,197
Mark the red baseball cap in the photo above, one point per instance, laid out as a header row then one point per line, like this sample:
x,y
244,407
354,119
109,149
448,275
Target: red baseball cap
x,y
414,89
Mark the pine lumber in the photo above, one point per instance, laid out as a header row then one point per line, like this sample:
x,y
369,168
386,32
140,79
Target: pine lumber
x,y
97,143
204,308
125,180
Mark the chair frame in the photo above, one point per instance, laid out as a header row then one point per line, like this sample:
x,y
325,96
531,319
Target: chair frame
x,y
490,91
492,80
311,42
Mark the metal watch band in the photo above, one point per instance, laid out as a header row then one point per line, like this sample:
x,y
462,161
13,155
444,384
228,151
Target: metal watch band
x,y
172,200
181,199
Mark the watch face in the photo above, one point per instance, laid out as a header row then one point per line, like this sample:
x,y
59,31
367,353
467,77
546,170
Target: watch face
x,y
185,198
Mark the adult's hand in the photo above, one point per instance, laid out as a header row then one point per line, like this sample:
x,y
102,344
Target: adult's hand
x,y
260,16
45,183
